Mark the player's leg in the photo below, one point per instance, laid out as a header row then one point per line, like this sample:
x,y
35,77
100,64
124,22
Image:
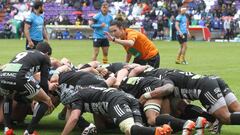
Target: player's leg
x,y
221,112
7,111
180,40
128,126
231,100
33,91
96,45
105,47
176,124
152,109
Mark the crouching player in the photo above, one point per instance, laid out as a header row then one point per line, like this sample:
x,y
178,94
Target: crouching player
x,y
119,106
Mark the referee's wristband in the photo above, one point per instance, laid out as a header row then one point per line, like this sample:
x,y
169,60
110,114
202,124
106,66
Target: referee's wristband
x,y
147,95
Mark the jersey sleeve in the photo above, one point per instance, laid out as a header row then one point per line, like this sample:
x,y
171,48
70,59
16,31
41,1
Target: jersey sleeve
x,y
29,19
95,20
44,75
167,81
178,18
77,105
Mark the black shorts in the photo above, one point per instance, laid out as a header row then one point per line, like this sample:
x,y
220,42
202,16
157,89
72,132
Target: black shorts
x,y
154,61
100,42
34,42
23,87
182,39
210,92
223,86
123,108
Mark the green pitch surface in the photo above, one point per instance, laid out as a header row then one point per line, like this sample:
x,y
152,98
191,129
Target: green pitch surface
x,y
221,59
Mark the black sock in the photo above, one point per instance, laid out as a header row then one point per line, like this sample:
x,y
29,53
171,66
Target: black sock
x,y
235,118
82,123
7,111
175,123
138,130
193,112
37,116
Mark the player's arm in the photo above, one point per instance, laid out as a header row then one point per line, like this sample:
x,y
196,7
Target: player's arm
x,y
27,27
45,34
72,121
126,43
93,22
163,91
158,92
44,77
178,28
137,70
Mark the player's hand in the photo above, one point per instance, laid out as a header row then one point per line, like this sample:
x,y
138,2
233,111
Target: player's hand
x,y
30,44
109,37
142,100
50,105
189,35
103,25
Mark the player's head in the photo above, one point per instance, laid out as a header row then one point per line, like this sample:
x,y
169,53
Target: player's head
x,y
38,6
104,8
183,10
117,28
45,48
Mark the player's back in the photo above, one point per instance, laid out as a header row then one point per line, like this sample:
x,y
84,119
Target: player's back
x,y
27,63
81,78
137,86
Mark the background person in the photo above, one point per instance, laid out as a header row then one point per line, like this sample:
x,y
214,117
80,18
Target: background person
x,y
182,34
34,28
100,24
135,43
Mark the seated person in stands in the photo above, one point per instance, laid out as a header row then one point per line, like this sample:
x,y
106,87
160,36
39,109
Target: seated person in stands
x,y
7,31
66,34
59,35
78,35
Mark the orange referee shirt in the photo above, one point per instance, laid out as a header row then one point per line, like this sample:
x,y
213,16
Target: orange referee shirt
x,y
143,48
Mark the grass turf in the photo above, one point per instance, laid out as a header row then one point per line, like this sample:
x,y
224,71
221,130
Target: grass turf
x,y
204,58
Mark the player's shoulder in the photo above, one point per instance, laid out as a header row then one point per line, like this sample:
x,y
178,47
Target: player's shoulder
x,y
98,15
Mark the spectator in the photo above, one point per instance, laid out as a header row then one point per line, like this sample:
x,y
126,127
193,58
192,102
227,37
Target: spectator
x,y
66,34
78,35
227,26
201,22
7,31
59,35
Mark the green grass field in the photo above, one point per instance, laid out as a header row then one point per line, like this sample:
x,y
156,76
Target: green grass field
x,y
204,58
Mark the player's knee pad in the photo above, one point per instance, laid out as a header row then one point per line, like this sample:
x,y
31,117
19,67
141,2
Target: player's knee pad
x,y
230,98
152,106
125,125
